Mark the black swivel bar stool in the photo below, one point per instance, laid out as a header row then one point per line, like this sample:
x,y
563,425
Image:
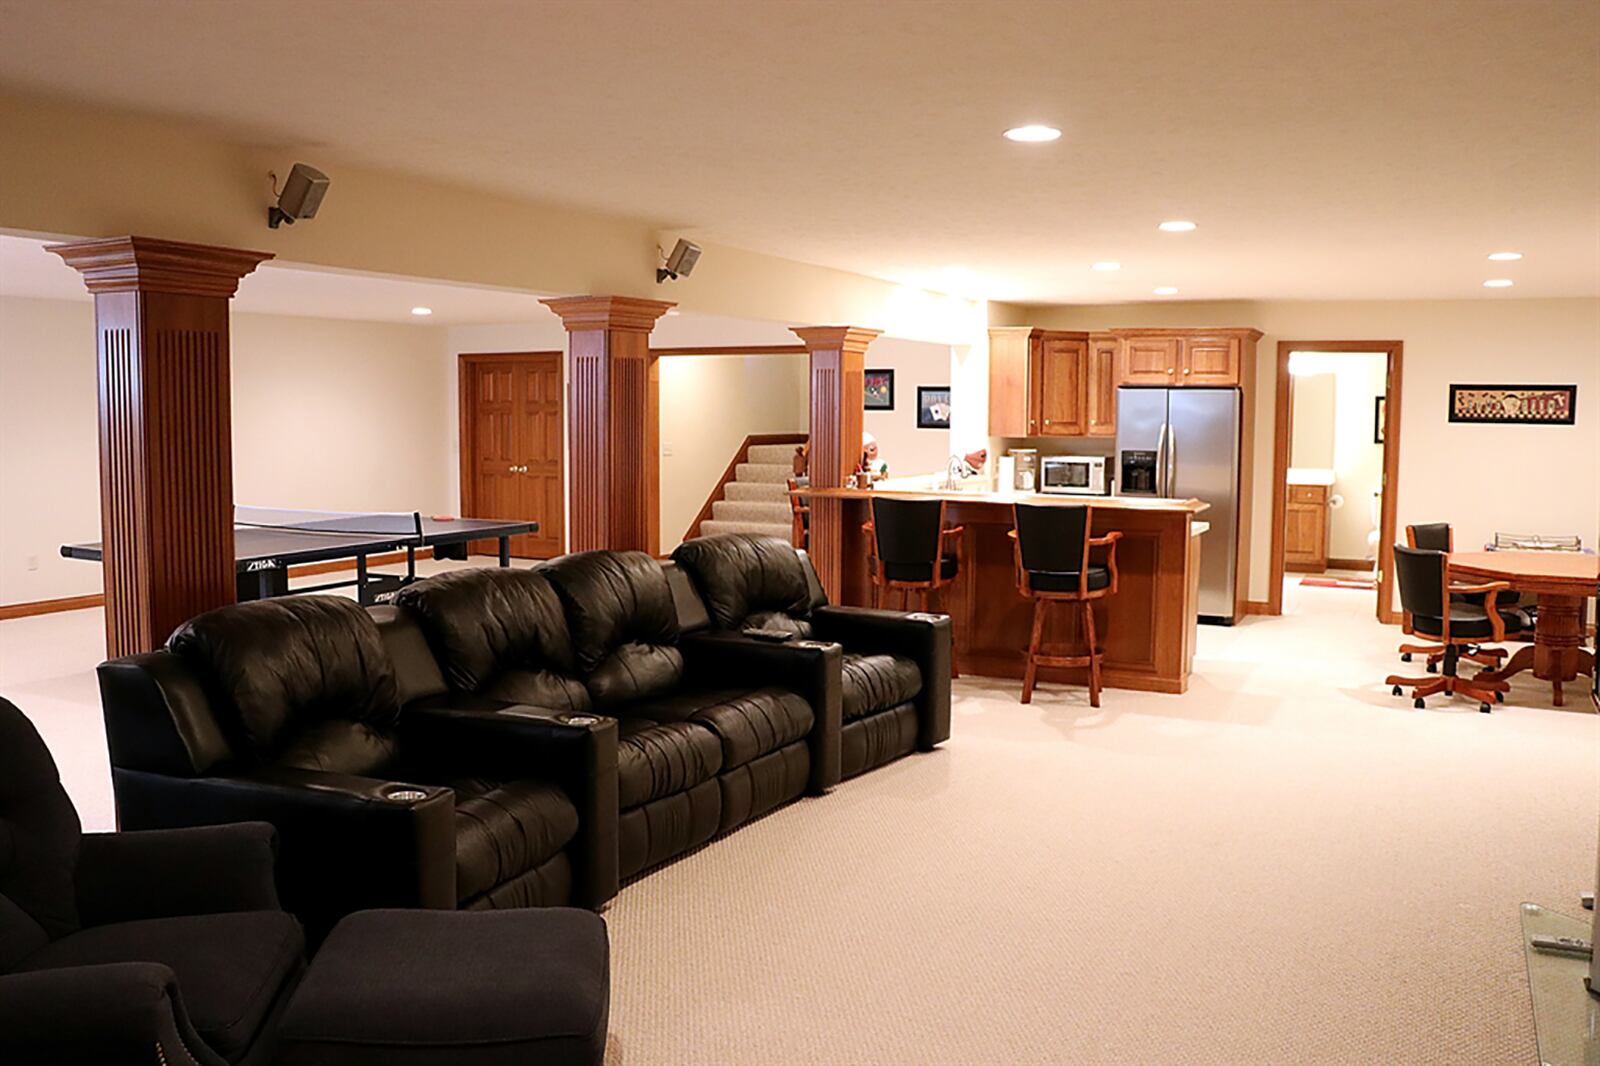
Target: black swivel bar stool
x,y
1052,549
912,553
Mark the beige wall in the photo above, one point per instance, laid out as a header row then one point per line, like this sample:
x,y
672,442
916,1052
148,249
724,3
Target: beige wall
x,y
1314,400
907,449
327,415
72,170
1481,478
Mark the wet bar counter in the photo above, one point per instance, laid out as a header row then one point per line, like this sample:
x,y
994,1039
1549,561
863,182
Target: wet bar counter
x,y
1147,629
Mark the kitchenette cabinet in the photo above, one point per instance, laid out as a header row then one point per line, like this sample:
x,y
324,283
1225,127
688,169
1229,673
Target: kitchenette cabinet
x,y
1180,357
1051,383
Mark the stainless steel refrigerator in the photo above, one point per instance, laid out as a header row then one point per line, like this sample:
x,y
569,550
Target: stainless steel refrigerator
x,y
1184,443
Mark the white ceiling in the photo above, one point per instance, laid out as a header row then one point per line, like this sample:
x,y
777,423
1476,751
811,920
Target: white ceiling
x,y
1349,149
26,269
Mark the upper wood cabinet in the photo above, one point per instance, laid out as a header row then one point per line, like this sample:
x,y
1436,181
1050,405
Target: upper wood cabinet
x,y
1100,394
1180,357
1063,366
1014,381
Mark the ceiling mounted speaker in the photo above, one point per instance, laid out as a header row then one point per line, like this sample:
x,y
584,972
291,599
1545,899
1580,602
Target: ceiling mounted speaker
x,y
301,196
680,264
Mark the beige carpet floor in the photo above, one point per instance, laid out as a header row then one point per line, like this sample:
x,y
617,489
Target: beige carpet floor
x,y
1286,865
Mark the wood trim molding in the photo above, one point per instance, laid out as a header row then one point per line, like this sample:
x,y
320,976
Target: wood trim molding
x,y
1282,434
731,349
1123,332
1258,607
1349,564
613,313
147,264
466,455
32,608
740,456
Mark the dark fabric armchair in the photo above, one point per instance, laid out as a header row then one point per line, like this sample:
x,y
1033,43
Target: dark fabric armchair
x,y
895,668
152,947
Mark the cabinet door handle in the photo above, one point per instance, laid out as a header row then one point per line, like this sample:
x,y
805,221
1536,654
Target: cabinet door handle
x,y
1171,371
1186,370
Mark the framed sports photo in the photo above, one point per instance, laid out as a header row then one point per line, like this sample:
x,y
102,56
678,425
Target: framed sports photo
x,y
1528,405
878,388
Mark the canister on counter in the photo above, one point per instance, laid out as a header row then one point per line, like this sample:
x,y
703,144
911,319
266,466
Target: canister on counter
x,y
1026,461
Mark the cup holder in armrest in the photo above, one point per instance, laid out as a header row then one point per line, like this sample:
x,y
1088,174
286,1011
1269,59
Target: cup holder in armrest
x,y
924,616
816,644
580,720
404,794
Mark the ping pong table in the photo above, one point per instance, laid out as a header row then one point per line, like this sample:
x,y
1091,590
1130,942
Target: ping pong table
x,y
268,541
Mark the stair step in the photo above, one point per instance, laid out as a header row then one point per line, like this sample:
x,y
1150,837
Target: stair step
x,y
745,511
773,453
713,527
757,492
769,472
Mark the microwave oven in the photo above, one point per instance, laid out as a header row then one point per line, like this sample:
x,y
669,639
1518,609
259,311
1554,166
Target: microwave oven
x,y
1073,475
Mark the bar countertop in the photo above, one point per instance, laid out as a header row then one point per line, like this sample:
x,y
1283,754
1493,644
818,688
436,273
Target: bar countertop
x,y
1126,503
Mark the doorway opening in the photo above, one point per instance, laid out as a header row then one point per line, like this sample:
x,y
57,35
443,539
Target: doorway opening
x,y
1336,455
512,463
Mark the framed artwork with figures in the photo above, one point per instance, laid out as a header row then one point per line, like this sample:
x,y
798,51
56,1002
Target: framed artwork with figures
x,y
877,387
1528,405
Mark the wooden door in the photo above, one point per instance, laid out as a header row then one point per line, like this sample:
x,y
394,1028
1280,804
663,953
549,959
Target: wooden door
x,y
1149,361
511,438
1100,394
1210,360
1062,365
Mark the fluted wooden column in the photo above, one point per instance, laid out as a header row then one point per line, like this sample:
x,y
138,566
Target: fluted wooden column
x,y
613,421
838,363
166,456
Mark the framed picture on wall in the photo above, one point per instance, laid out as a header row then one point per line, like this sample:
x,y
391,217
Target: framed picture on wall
x,y
879,389
1527,405
933,406
1380,407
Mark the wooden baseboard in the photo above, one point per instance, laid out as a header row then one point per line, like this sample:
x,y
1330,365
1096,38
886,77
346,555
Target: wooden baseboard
x,y
79,603
38,607
1352,564
1257,607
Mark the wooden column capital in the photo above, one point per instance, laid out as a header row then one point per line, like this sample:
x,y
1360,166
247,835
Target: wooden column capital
x,y
838,360
166,448
148,264
613,421
618,313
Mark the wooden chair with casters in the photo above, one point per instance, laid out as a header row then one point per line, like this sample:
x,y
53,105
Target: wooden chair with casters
x,y
1052,546
799,513
911,552
1432,609
1439,537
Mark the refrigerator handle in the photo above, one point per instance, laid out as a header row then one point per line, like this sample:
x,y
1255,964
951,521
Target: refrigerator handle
x,y
1161,461
1171,488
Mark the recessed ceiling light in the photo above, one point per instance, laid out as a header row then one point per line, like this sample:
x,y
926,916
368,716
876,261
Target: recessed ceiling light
x,y
1108,266
1498,283
1032,134
1505,257
1165,290
1176,226
422,311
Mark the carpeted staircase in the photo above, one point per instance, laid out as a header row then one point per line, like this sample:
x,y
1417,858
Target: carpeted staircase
x,y
756,500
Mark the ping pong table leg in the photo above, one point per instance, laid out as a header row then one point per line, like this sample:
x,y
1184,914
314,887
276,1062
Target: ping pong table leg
x,y
361,580
505,551
411,564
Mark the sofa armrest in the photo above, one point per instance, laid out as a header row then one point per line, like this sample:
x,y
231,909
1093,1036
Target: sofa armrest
x,y
577,752
812,668
114,1012
160,873
922,638
345,843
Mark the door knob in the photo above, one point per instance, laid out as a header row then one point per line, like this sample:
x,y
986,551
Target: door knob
x,y
511,469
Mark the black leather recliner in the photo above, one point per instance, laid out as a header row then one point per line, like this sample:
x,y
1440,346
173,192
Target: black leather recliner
x,y
162,946
895,669
709,736
288,711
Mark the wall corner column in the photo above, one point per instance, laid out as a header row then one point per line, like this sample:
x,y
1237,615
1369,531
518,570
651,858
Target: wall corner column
x,y
166,454
613,420
838,361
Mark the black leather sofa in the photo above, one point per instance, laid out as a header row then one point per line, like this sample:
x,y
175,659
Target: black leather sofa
x,y
288,711
895,683
162,946
708,736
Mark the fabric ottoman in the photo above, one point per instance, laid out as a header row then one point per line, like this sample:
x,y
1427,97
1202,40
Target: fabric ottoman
x,y
407,987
